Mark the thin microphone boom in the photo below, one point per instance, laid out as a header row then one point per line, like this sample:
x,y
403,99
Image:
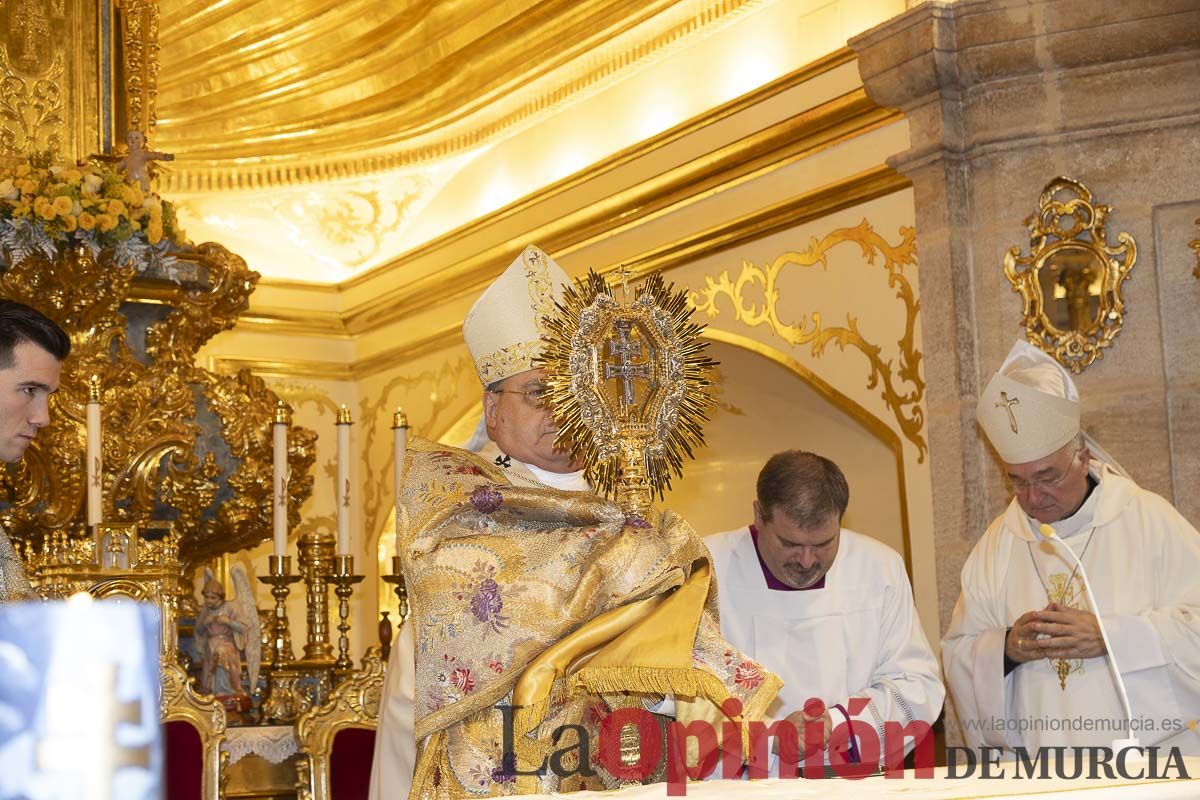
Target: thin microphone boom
x,y
1049,534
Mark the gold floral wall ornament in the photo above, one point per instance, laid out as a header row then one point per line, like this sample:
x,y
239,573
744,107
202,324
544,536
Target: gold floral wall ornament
x,y
1070,283
32,109
902,389
436,389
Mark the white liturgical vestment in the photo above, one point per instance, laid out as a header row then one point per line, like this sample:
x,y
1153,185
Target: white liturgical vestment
x,y
858,636
1143,560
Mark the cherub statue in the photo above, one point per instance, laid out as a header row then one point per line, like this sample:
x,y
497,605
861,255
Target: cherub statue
x,y
136,160
226,632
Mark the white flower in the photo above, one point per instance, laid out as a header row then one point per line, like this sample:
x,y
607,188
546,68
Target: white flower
x,y
8,191
92,184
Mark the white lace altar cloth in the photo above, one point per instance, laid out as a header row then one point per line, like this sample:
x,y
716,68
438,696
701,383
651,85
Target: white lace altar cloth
x,y
275,743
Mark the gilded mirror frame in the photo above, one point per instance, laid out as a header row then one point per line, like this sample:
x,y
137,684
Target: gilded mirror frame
x,y
1067,224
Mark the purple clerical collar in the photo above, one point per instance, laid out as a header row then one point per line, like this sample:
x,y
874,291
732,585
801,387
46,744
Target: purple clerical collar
x,y
772,581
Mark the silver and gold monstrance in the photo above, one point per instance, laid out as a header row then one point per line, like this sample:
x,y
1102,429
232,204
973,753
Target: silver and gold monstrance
x,y
629,385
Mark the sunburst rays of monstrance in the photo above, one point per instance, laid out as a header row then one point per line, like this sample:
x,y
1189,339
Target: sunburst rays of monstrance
x,y
629,384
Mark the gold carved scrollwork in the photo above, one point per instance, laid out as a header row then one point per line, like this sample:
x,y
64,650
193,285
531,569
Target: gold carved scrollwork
x,y
1070,283
163,456
443,388
139,35
1195,245
354,704
32,116
904,403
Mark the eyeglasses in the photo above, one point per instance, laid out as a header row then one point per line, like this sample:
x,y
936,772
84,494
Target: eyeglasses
x,y
535,396
1019,485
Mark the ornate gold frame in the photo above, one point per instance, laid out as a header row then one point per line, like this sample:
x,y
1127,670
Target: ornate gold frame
x,y
1195,245
1051,234
353,704
181,703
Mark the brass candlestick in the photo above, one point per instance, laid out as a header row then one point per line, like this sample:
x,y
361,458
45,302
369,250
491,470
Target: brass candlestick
x,y
401,590
286,698
280,581
343,579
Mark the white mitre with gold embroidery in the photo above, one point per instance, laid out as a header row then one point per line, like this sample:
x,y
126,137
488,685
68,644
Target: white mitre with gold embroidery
x,y
1030,407
504,328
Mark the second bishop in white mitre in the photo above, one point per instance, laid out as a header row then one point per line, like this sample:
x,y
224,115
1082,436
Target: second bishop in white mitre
x,y
1024,656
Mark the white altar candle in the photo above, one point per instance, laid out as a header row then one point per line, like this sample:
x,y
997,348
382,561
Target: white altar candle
x,y
343,481
95,454
279,437
400,447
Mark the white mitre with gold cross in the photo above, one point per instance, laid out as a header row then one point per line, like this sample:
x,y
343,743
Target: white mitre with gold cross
x,y
504,328
1030,407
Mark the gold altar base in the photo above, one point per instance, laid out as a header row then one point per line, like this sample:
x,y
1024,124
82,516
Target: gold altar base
x,y
294,689
146,569
255,778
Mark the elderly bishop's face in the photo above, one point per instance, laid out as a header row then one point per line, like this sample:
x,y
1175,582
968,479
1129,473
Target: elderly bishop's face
x,y
521,425
1051,488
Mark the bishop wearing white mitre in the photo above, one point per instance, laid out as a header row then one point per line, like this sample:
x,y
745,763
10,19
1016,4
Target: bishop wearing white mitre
x,y
503,333
1024,656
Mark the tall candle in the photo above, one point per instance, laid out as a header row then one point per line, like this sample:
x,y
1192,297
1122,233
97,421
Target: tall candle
x,y
400,447
343,481
95,454
279,441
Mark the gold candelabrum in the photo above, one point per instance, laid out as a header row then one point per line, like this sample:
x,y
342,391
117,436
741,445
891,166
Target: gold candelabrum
x,y
316,563
396,578
294,685
280,580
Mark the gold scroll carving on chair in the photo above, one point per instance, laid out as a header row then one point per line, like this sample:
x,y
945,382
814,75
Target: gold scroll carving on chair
x,y
1070,283
354,704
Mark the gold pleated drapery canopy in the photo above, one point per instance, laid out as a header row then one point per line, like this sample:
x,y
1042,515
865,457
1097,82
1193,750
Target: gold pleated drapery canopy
x,y
323,83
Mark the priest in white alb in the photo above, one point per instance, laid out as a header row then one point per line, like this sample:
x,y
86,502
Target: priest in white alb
x,y
827,609
1025,657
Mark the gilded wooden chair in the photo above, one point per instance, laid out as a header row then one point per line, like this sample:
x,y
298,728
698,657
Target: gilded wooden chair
x,y
352,707
186,715
181,705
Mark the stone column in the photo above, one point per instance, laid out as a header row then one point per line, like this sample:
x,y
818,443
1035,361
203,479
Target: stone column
x,y
1001,96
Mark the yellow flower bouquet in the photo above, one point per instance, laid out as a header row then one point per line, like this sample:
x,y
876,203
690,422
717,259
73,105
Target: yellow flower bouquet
x,y
45,206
